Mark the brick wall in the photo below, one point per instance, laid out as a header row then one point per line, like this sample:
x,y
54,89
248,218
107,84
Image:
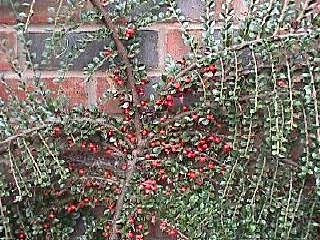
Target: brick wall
x,y
158,42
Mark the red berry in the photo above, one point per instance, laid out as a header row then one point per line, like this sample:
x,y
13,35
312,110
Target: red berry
x,y
131,235
202,159
22,236
93,148
82,171
83,146
172,233
145,133
188,80
51,217
108,53
211,117
57,131
72,209
163,120
162,132
169,98
217,140
177,86
227,148
110,133
192,175
170,103
212,166
195,117
191,155
46,226
130,33
212,68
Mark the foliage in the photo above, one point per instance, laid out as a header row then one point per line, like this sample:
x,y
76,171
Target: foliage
x,y
240,162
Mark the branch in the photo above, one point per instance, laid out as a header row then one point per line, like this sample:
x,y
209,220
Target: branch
x,y
8,140
275,38
102,121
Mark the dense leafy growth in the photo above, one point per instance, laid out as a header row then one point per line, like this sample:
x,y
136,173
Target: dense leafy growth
x,y
225,147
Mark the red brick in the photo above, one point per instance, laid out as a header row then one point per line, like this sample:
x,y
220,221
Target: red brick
x,y
11,88
175,46
41,11
7,15
239,6
74,88
8,48
241,9
106,105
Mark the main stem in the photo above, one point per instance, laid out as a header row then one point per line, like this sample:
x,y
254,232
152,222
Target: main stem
x,y
137,122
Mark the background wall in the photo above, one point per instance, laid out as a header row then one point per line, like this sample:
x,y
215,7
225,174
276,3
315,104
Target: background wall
x,y
157,43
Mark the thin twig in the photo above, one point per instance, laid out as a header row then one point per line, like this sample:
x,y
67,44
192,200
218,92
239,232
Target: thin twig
x,y
309,223
282,15
289,200
304,8
315,101
35,164
264,20
290,90
51,153
22,134
257,187
6,230
29,16
14,173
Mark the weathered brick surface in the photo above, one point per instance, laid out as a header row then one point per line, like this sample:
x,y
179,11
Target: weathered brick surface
x,y
57,59
8,48
43,10
7,16
175,45
73,88
104,103
149,48
10,87
192,9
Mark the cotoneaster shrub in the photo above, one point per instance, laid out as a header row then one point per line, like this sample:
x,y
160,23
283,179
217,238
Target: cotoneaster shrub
x,y
228,148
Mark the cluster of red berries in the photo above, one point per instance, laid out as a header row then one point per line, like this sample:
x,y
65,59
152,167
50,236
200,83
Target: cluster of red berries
x,y
212,68
118,79
149,186
137,226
